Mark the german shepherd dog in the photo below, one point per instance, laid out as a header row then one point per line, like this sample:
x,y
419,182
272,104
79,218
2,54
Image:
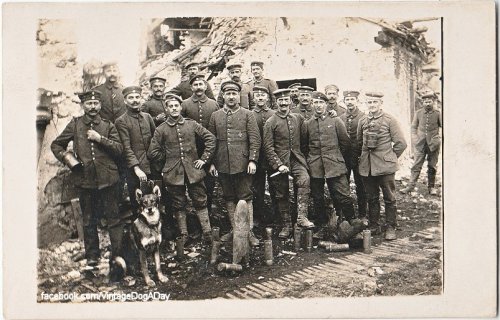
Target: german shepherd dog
x,y
146,229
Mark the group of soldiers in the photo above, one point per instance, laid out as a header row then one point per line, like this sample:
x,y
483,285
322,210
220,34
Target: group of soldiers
x,y
252,132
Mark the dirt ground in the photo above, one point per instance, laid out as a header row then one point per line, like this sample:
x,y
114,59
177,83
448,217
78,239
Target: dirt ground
x,y
412,269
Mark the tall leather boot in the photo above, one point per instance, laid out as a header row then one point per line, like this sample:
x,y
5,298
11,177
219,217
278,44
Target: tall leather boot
x,y
253,240
411,184
286,218
431,178
180,216
231,208
205,224
116,271
91,243
302,209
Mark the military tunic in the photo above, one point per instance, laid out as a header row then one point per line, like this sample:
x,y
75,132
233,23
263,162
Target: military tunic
x,y
112,101
174,143
336,107
326,141
199,109
155,106
306,113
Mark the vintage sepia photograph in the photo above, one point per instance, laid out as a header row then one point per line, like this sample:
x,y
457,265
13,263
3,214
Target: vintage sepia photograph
x,y
249,160
327,183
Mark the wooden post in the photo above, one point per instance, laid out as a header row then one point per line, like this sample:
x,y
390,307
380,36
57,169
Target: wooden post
x,y
78,216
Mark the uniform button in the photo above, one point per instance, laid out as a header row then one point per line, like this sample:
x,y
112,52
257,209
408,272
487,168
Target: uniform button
x,y
93,158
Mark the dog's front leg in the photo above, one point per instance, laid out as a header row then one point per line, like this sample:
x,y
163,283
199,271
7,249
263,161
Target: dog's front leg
x,y
163,278
144,268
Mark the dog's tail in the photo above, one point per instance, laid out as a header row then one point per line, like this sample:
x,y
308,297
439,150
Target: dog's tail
x,y
118,269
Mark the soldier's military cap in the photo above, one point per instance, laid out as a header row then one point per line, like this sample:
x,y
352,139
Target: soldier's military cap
x,y
90,95
331,87
171,96
131,89
234,66
428,94
157,79
319,95
191,64
260,89
351,93
280,93
295,85
198,76
374,95
230,85
306,88
109,64
257,63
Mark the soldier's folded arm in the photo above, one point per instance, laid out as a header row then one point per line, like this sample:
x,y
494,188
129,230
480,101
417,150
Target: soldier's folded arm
x,y
112,142
59,145
155,150
128,153
254,138
397,138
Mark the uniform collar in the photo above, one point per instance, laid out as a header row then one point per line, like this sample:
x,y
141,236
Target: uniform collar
x,y
110,86
333,105
430,111
259,80
202,99
352,114
258,110
375,116
172,122
305,109
87,120
160,98
322,117
229,111
282,115
133,114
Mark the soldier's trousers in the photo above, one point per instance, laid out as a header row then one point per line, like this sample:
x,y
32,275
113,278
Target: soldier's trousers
x,y
259,189
281,186
360,189
432,160
373,184
96,205
197,193
339,192
236,187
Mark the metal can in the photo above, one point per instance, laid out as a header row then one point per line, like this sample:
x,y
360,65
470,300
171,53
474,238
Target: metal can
x,y
215,234
214,254
309,240
269,233
229,267
297,232
367,241
335,247
268,252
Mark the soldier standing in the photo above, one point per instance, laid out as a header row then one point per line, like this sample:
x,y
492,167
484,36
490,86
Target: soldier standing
x,y
351,120
262,112
183,89
96,145
294,95
112,104
282,134
304,108
237,152
155,106
325,142
199,108
257,69
234,71
332,93
174,143
382,143
136,129
427,142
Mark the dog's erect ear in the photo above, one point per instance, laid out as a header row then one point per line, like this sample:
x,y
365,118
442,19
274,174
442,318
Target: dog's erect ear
x,y
156,191
138,195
